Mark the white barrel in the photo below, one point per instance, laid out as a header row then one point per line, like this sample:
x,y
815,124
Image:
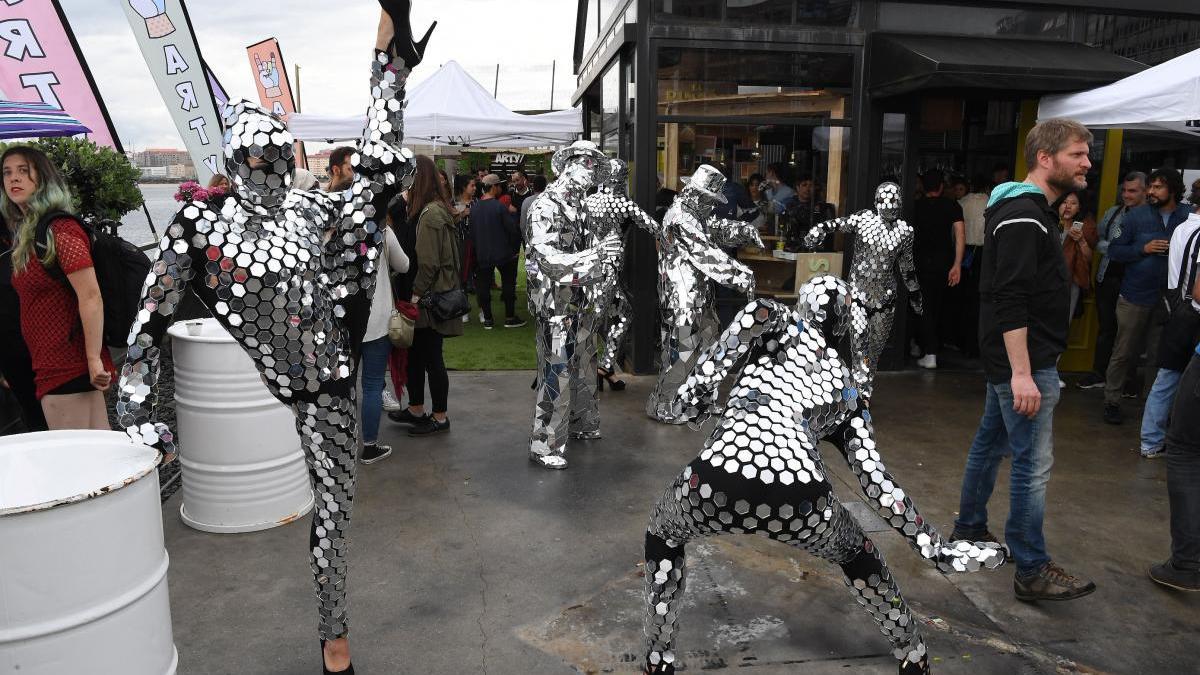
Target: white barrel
x,y
243,469
83,571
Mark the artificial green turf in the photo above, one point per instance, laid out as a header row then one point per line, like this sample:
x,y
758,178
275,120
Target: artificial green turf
x,y
499,348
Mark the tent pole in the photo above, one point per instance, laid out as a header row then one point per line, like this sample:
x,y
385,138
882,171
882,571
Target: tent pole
x,y
553,67
496,87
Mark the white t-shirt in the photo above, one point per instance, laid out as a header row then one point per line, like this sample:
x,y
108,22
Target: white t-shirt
x,y
973,205
392,258
1179,241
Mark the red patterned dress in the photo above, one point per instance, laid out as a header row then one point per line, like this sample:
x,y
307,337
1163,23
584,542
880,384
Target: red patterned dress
x,y
50,313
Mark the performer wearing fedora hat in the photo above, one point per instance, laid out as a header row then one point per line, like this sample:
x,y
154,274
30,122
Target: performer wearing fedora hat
x,y
690,257
560,262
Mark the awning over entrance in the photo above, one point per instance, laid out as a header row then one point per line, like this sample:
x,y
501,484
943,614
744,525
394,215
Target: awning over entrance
x,y
906,63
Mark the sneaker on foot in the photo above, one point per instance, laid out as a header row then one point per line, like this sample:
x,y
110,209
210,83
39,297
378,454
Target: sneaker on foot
x,y
1169,575
514,322
1152,454
488,324
1112,414
929,361
1062,384
1051,582
407,417
1091,381
390,403
556,462
429,427
1129,394
373,452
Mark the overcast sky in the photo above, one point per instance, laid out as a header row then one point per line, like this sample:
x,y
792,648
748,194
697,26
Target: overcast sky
x,y
331,41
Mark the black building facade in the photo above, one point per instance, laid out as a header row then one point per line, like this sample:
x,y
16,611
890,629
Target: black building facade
x,y
849,92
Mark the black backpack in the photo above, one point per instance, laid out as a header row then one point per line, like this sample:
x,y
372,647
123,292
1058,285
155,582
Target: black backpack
x,y
121,270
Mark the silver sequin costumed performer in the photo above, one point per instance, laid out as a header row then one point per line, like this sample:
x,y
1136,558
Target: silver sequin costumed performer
x,y
881,241
690,260
296,305
611,210
561,260
761,472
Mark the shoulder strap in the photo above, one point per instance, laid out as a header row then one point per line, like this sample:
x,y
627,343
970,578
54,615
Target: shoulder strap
x,y
1190,254
42,235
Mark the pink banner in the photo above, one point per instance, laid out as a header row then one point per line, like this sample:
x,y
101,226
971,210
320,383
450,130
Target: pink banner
x,y
274,87
41,62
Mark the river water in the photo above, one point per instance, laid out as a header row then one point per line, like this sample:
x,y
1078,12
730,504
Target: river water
x,y
160,201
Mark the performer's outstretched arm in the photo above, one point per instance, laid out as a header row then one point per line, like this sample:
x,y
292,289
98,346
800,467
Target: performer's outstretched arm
x,y
908,271
727,232
856,439
818,232
582,268
711,260
758,321
163,291
642,219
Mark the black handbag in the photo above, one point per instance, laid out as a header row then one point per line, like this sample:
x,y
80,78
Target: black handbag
x,y
446,305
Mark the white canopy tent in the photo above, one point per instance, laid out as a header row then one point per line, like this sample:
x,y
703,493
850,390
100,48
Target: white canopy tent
x,y
1165,97
452,108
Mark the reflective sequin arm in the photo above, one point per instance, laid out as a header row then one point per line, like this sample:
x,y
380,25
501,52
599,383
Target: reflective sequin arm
x,y
730,233
709,259
908,269
564,268
758,322
819,231
856,439
137,395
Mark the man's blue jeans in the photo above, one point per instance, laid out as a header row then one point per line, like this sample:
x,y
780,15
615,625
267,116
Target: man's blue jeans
x,y
1158,410
1003,431
374,369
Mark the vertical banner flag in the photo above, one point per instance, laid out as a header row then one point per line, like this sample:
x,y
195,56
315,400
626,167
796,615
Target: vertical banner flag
x,y
274,87
40,62
168,43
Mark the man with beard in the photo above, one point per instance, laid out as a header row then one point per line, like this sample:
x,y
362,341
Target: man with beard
x,y
341,173
1022,331
1142,248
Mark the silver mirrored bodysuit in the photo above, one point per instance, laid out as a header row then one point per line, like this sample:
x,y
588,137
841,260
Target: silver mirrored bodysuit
x,y
761,472
297,305
881,242
690,260
610,211
560,263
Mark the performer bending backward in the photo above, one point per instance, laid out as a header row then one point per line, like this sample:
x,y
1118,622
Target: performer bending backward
x,y
881,240
560,263
761,472
610,210
689,258
296,305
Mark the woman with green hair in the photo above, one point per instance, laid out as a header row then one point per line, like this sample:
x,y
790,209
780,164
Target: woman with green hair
x,y
62,321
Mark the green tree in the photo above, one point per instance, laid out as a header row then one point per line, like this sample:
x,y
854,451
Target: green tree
x,y
102,180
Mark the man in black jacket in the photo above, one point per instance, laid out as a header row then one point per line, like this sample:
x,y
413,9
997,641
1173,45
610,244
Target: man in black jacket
x,y
497,241
1023,321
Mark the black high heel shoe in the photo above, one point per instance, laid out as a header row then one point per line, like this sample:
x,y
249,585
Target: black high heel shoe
x,y
325,671
603,376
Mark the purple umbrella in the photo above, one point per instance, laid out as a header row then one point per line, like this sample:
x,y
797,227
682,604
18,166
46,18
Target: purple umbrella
x,y
36,120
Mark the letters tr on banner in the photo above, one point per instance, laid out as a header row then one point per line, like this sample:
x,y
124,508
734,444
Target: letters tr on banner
x,y
41,62
164,34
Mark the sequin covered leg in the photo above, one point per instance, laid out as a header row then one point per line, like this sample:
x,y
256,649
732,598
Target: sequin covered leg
x,y
328,430
613,332
692,333
585,410
555,353
840,540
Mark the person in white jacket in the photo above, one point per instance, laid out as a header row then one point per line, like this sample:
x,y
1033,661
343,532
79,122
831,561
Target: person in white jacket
x,y
377,347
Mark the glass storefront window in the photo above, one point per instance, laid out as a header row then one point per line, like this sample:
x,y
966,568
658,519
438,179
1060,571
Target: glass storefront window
x,y
819,153
720,82
776,12
610,100
915,17
1150,40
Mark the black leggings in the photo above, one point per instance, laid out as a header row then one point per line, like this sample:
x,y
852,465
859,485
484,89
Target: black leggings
x,y
425,356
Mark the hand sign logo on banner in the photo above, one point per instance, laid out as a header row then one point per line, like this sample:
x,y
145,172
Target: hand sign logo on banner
x,y
158,24
268,74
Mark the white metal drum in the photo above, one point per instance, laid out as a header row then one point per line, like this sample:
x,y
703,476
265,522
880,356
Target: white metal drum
x,y
83,571
243,469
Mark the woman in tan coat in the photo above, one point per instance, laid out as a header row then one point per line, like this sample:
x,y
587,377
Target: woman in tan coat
x,y
436,271
1079,236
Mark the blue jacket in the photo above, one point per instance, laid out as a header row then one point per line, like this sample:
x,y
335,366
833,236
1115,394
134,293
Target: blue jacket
x,y
1145,275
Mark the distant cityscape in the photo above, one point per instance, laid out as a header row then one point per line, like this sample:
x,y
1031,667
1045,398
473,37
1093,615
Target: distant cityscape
x,y
175,165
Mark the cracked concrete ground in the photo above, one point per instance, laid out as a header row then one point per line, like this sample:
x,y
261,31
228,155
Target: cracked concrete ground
x,y
466,558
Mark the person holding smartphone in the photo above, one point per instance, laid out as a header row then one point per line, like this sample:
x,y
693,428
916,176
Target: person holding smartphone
x,y
1079,240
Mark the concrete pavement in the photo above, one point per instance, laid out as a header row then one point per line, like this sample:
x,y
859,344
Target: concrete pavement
x,y
466,558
